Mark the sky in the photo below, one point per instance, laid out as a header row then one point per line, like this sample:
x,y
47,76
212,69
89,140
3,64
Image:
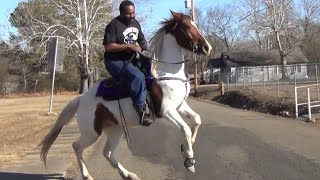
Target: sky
x,y
5,9
160,10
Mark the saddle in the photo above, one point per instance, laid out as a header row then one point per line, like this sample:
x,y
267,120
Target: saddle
x,y
112,89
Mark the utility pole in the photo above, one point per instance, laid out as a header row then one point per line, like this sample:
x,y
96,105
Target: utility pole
x,y
190,4
193,17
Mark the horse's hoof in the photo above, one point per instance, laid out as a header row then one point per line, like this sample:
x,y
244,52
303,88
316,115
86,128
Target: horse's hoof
x,y
192,169
88,178
189,164
132,176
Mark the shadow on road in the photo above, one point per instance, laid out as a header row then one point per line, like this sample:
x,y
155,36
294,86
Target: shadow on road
x,y
22,176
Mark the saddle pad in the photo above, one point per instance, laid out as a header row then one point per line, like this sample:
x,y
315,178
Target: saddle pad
x,y
110,89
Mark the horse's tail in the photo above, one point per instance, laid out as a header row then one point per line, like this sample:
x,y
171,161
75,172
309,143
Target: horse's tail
x,y
64,118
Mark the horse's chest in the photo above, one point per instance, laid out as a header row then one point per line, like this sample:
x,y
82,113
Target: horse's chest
x,y
175,90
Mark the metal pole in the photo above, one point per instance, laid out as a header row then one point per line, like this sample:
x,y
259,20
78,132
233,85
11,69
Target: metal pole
x,y
236,76
251,77
309,108
264,81
243,79
53,79
228,81
295,75
317,81
194,56
296,100
278,81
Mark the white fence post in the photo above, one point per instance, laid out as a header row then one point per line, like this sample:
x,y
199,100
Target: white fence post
x,y
296,100
264,81
309,107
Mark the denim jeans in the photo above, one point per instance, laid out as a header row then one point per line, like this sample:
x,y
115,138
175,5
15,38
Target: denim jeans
x,y
132,78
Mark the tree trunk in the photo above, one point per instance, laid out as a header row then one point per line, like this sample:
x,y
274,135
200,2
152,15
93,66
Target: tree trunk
x,y
84,80
83,85
282,56
283,64
90,80
24,79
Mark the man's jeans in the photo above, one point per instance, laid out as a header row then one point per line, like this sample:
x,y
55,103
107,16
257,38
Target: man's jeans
x,y
131,77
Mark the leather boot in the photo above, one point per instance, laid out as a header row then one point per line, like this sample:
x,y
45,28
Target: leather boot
x,y
144,120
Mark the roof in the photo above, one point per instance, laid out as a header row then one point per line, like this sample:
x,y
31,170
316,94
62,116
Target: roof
x,y
259,58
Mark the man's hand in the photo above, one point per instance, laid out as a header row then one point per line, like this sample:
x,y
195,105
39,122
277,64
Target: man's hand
x,y
134,47
114,47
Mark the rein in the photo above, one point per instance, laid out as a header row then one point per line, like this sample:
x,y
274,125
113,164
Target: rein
x,y
181,62
171,78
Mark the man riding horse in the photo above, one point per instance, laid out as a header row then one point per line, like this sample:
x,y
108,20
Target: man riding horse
x,y
124,38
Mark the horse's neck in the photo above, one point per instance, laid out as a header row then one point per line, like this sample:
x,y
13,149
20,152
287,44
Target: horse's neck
x,y
170,52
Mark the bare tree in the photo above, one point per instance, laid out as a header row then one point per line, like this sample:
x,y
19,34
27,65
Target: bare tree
x,y
310,14
251,17
275,20
80,22
280,21
223,24
309,11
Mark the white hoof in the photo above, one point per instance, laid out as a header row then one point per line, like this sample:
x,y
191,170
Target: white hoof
x,y
192,169
88,178
132,176
189,164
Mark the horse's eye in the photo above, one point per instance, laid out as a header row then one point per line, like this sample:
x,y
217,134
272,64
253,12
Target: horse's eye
x,y
185,27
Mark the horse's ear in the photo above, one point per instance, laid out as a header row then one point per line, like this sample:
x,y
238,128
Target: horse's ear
x,y
175,15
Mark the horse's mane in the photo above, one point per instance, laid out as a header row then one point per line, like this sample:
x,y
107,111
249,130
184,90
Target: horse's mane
x,y
157,38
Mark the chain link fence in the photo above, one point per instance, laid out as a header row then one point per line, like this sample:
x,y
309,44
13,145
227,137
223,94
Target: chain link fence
x,y
274,79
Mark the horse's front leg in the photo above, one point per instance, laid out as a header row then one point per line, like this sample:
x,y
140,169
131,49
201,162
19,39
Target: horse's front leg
x,y
195,119
175,117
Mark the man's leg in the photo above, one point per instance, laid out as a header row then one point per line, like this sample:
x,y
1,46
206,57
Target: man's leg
x,y
114,68
137,85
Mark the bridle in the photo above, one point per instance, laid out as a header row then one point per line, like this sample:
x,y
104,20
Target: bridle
x,y
192,44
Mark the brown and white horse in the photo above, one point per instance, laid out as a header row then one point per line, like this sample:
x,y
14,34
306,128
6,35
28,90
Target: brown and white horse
x,y
96,116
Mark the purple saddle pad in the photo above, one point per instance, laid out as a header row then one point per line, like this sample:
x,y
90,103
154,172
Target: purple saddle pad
x,y
111,89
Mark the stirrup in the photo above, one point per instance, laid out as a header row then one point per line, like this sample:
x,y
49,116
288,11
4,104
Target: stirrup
x,y
144,120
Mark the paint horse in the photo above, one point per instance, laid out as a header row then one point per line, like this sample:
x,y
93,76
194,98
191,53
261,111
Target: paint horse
x,y
169,90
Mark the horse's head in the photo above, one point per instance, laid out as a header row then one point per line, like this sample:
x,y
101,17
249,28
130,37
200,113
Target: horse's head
x,y
187,34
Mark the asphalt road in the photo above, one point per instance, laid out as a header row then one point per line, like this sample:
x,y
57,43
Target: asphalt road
x,y
232,144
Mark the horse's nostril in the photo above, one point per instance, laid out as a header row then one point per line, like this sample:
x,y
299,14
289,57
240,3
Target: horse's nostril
x,y
206,48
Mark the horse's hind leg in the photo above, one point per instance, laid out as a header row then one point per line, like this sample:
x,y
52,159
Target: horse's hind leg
x,y
114,136
195,118
85,140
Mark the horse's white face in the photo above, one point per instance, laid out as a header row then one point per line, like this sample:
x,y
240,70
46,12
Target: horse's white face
x,y
187,34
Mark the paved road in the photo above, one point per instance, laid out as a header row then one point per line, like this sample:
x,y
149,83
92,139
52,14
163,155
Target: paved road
x,y
31,168
232,144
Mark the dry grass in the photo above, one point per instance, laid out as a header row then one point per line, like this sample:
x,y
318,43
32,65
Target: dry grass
x,y
23,124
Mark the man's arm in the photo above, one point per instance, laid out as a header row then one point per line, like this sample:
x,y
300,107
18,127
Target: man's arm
x,y
115,47
141,39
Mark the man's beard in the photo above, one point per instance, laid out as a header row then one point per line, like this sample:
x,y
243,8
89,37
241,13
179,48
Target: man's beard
x,y
128,20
